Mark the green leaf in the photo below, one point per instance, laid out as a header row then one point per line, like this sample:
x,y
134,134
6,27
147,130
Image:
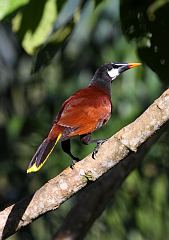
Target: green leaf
x,y
35,23
8,6
62,29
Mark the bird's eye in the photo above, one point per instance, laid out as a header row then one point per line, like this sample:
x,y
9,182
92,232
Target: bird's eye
x,y
115,66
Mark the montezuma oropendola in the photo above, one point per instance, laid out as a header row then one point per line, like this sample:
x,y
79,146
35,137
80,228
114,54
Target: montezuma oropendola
x,y
81,114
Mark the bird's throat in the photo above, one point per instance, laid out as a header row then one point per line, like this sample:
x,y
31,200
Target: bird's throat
x,y
103,85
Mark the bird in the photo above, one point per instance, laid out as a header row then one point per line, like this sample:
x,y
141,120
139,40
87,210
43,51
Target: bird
x,y
84,112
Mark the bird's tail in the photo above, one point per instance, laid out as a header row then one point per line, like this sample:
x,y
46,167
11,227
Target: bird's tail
x,y
42,154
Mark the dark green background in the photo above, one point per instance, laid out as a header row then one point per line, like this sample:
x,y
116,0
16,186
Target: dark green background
x,y
84,35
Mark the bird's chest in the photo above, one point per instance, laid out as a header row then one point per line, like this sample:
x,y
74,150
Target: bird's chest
x,y
103,112
103,120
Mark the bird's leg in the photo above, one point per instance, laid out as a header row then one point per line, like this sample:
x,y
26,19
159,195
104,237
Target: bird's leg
x,y
86,139
67,149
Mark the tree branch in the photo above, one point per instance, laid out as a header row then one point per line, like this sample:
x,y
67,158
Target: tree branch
x,y
67,183
91,202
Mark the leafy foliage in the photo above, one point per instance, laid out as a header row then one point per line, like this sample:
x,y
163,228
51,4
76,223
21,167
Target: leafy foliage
x,y
62,43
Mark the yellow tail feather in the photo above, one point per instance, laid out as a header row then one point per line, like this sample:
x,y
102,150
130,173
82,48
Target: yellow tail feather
x,y
34,168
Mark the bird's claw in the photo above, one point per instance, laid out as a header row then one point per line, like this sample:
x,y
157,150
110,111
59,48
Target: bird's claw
x,y
96,149
73,162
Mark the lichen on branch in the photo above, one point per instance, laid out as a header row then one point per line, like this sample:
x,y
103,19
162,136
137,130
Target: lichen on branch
x,y
68,182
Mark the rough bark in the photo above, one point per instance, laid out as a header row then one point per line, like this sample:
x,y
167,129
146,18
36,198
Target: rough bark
x,y
67,183
92,201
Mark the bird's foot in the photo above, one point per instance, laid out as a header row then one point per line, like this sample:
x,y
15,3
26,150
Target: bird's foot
x,y
73,162
96,149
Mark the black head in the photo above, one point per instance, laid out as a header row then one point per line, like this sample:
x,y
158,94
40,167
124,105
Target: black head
x,y
112,70
108,72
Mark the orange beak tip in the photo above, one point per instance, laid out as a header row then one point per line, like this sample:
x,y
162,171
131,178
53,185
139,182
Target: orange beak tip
x,y
132,65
